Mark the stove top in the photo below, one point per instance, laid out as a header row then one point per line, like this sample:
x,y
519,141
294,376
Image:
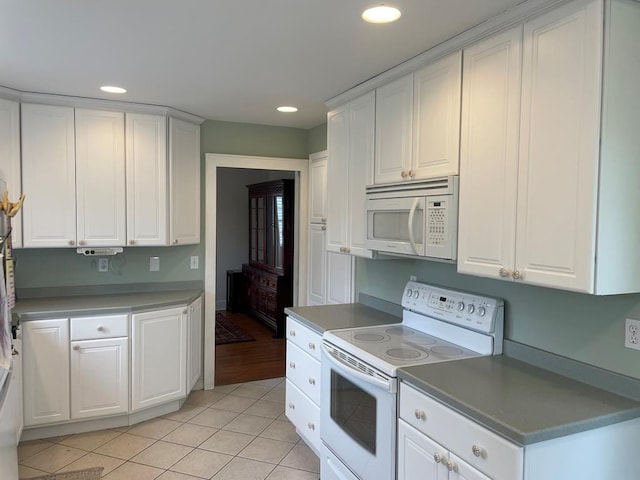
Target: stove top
x,y
438,325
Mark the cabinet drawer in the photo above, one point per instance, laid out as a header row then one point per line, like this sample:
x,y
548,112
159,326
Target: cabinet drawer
x,y
104,326
498,458
305,416
304,372
303,337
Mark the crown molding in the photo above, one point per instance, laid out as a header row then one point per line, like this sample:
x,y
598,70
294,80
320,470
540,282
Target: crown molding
x,y
505,20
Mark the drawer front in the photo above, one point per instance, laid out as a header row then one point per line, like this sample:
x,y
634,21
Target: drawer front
x,y
494,456
104,326
304,414
305,338
304,371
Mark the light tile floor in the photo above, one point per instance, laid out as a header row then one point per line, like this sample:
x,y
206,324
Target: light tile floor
x,y
232,432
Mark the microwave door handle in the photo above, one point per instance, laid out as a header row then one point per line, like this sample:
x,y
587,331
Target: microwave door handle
x,y
347,369
412,214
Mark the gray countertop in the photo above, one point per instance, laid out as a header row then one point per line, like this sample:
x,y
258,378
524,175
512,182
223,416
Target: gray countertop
x,y
84,305
523,403
334,317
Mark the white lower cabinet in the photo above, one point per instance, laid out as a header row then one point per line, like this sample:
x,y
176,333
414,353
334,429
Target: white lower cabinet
x,y
46,371
158,370
302,405
194,344
99,377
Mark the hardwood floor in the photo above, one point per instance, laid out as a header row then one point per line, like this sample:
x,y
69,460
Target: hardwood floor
x,y
248,361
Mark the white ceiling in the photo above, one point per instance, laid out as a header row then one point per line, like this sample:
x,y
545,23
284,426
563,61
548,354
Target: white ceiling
x,y
233,60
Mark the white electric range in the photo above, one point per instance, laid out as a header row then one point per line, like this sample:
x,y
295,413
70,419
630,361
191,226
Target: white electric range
x,y
359,373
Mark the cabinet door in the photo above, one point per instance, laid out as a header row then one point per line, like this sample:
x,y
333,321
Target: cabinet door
x,y
419,458
317,280
337,178
158,342
394,116
146,165
46,371
489,154
48,176
194,346
184,182
339,278
463,471
436,125
99,377
559,147
361,143
318,188
10,160
100,178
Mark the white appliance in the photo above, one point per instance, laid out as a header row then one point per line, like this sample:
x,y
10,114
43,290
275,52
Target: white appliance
x,y
415,218
359,373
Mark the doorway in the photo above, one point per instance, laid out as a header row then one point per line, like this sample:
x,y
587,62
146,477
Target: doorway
x,y
214,162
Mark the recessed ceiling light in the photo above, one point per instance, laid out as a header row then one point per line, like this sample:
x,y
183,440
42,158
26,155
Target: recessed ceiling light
x,y
112,89
286,109
381,14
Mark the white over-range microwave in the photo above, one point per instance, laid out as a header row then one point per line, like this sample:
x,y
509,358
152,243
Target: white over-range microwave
x,y
417,219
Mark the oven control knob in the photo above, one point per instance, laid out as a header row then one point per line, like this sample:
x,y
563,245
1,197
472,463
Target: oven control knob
x,y
409,293
416,293
461,306
481,311
471,308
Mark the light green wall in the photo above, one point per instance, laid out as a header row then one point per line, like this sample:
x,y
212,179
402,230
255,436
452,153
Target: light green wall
x,y
586,328
318,138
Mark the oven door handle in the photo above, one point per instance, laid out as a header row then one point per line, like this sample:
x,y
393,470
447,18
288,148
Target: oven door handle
x,y
388,385
412,214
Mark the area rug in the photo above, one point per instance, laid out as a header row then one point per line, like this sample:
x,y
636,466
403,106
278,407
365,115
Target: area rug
x,y
94,473
227,332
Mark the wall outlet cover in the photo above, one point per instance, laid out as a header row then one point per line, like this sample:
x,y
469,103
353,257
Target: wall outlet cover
x,y
154,264
194,262
632,333
103,264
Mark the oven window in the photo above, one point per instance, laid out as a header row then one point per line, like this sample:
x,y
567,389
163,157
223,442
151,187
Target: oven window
x,y
354,410
394,225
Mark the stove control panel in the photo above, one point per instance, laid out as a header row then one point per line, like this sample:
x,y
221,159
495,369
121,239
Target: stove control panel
x,y
473,311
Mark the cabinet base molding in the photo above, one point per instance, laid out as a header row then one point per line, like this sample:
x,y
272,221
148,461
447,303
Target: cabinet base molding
x,y
83,426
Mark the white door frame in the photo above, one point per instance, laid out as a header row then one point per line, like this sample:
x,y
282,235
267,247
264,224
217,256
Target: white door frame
x,y
213,161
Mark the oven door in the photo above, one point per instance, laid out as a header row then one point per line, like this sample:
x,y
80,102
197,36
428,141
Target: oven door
x,y
396,225
358,415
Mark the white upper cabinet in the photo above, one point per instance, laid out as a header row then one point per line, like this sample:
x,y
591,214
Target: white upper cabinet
x,y
100,185
576,164
48,176
350,147
10,160
184,182
436,118
393,131
318,187
146,164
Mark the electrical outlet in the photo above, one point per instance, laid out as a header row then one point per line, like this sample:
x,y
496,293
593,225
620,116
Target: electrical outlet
x,y
103,264
194,262
632,333
412,278
154,264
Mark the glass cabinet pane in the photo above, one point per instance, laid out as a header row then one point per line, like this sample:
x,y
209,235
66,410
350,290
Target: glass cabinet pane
x,y
278,232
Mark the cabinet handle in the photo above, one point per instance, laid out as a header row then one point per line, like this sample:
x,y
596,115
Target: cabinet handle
x,y
312,346
76,347
323,220
292,406
311,426
503,272
292,333
175,242
437,457
412,173
312,381
404,174
477,450
71,242
324,228
132,242
292,364
82,242
184,312
450,465
516,275
420,415
100,328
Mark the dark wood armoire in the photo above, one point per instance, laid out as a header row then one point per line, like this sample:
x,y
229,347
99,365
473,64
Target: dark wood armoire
x,y
268,277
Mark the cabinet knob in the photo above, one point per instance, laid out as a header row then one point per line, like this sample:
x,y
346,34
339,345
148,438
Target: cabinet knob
x,y
292,364
477,450
100,328
132,242
292,406
412,173
503,272
420,415
323,220
175,242
312,346
311,426
450,465
292,333
404,174
76,347
437,457
71,242
312,381
324,228
185,311
516,275
82,242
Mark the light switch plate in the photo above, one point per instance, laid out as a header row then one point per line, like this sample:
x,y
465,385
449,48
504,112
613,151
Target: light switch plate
x,y
154,264
194,262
